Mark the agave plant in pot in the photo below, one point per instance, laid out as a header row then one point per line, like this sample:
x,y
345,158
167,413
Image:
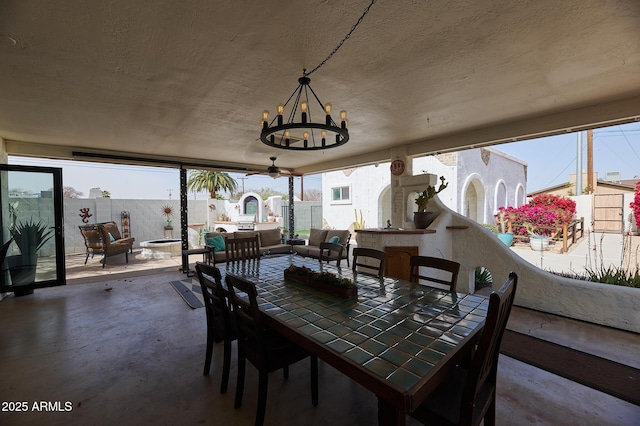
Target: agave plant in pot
x,y
505,233
423,218
29,236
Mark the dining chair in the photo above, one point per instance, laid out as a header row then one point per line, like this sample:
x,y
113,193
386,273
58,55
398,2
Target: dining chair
x,y
266,349
220,322
436,268
361,253
330,252
467,396
242,249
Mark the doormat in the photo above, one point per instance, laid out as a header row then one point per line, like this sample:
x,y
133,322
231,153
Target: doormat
x,y
190,292
606,376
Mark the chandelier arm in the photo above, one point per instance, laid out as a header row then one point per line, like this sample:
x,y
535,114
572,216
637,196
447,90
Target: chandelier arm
x,y
294,108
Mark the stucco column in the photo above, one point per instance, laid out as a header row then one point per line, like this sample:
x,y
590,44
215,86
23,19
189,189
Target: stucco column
x,y
398,204
4,157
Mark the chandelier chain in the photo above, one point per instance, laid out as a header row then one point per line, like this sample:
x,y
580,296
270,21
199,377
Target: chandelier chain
x,y
366,10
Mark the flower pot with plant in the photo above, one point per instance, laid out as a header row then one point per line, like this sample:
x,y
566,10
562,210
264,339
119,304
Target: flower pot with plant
x,y
29,236
423,218
505,233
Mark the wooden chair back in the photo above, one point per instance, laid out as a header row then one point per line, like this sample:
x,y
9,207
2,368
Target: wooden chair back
x,y
468,396
360,254
266,349
331,252
242,249
434,269
217,307
484,365
247,314
220,319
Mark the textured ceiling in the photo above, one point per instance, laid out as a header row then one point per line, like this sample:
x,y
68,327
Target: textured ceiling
x,y
188,80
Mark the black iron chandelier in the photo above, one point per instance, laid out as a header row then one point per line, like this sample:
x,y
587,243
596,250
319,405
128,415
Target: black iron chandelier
x,y
305,134
278,133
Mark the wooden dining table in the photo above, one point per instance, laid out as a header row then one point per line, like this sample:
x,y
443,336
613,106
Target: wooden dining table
x,y
398,339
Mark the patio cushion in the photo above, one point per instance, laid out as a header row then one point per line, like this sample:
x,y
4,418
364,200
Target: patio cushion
x,y
342,234
216,242
316,236
270,237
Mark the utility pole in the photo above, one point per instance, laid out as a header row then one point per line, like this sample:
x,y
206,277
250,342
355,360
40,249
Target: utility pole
x,y
243,179
590,187
579,165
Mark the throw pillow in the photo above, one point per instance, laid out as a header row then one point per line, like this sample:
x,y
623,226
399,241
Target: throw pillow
x,y
335,239
111,239
216,242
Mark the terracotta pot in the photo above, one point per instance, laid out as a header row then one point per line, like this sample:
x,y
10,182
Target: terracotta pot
x,y
422,220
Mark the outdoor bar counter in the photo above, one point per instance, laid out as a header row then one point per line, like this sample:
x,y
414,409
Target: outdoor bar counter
x,y
399,244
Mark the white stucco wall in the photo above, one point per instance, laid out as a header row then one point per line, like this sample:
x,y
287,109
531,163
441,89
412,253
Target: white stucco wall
x,y
368,185
492,168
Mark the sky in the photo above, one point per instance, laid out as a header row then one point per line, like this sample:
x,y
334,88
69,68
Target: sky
x,y
148,183
550,161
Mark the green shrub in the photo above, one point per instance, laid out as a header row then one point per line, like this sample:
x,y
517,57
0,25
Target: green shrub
x,y
609,275
483,277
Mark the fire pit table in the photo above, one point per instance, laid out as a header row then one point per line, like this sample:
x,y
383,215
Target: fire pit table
x,y
160,249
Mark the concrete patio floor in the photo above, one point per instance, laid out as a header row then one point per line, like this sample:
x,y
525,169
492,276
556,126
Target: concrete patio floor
x,y
122,347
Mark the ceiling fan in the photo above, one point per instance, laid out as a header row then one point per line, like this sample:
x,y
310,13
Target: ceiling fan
x,y
273,170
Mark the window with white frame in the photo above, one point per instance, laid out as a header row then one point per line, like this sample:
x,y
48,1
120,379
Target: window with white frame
x,y
341,194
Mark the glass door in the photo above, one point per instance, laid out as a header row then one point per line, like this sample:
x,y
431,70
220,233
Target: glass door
x,y
31,228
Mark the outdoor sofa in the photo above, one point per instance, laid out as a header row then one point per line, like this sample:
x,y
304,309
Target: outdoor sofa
x,y
270,242
317,236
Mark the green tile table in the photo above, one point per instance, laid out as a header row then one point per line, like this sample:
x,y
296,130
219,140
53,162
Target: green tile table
x,y
396,338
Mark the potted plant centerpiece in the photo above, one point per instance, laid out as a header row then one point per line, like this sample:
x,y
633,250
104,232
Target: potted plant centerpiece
x,y
423,218
29,236
505,233
324,281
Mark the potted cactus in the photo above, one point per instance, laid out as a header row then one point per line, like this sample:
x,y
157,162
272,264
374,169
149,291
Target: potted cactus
x,y
505,233
423,218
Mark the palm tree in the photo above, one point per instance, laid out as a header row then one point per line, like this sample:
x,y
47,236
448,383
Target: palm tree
x,y
207,180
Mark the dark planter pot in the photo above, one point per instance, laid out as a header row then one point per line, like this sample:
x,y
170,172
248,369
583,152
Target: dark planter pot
x,y
506,238
422,220
347,293
21,275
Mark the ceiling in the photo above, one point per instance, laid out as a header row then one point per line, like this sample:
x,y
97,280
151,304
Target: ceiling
x,y
187,81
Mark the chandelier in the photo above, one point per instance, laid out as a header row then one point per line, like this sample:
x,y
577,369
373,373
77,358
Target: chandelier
x,y
299,131
278,133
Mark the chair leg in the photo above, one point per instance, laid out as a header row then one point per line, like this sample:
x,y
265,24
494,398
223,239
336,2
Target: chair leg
x,y
126,256
263,385
86,258
240,382
207,358
314,380
226,365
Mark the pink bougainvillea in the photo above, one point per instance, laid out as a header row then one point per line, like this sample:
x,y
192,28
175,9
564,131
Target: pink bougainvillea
x,y
544,215
635,204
